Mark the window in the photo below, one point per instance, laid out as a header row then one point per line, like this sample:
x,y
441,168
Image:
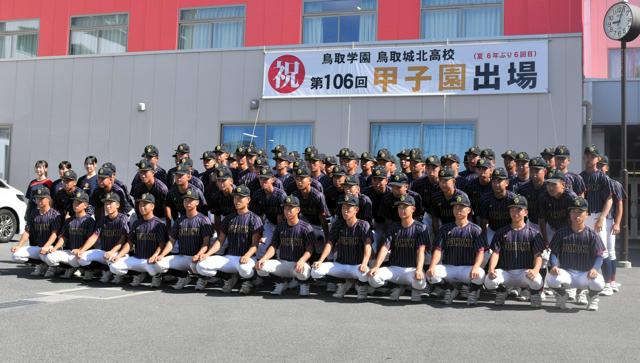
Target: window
x,y
5,151
99,34
336,21
221,27
632,65
267,136
450,19
19,39
432,138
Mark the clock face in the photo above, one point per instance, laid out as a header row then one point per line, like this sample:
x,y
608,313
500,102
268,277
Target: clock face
x,y
617,21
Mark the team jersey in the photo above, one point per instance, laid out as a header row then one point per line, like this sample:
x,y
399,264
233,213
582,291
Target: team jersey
x,y
220,203
575,183
442,207
63,202
516,184
376,201
292,242
33,185
190,233
88,184
426,189
40,226
159,173
349,242
517,247
331,197
496,211
96,201
312,207
476,190
205,177
111,231
254,185
240,175
196,182
598,190
170,181
576,250
365,208
617,193
239,230
174,201
364,180
268,205
389,210
159,190
57,186
555,211
146,236
403,243
76,231
288,183
460,245
532,194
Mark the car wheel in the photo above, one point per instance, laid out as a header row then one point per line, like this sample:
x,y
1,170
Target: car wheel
x,y
8,226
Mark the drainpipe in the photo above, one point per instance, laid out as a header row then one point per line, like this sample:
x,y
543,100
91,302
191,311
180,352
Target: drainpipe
x,y
588,122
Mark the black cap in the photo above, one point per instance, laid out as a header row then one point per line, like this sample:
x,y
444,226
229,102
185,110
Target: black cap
x,y
384,154
147,198
292,201
181,149
81,196
547,152
183,168
561,151
522,156
450,157
340,171
499,173
404,154
241,151
208,155
150,151
144,165
474,150
405,199
537,163
294,155
310,150
279,149
351,180
488,153
261,153
398,179
280,155
188,162
69,175
432,160
259,162
446,174
111,197
416,156
378,172
191,193
591,150
41,192
461,199
366,156
223,172
242,190
519,201
331,160
302,171
105,173
349,199
251,151
220,149
233,157
555,176
109,165
604,160
315,157
509,154
347,154
265,172
579,203
483,163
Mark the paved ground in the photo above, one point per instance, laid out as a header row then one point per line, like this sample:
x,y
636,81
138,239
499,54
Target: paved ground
x,y
48,320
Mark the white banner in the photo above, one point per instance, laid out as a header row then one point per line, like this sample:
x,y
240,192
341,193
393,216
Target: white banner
x,y
469,69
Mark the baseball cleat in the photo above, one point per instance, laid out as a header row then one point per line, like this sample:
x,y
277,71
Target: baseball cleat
x,y
593,303
117,279
342,289
536,300
501,297
245,288
106,276
304,290
416,295
279,288
396,293
362,291
607,291
230,283
449,295
40,270
581,298
69,272
156,281
561,301
182,282
51,272
138,279
201,283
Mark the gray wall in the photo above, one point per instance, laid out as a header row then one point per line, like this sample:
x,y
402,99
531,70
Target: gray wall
x,y
604,94
70,107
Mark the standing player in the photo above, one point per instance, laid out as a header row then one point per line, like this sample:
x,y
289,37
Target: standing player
x,y
576,258
63,201
376,193
407,243
548,154
151,154
532,190
479,186
522,172
399,187
43,226
460,246
313,207
267,202
598,193
351,239
509,159
573,181
494,207
221,201
442,211
426,187
149,183
367,162
181,153
106,185
209,163
554,206
293,240
174,207
516,259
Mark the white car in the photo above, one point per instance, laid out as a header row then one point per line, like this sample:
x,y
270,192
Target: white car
x,y
13,207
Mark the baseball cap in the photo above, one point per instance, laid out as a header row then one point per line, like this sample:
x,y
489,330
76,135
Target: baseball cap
x,y
450,157
150,151
310,149
580,203
591,150
81,196
242,190
561,151
555,176
316,157
398,179
281,155
259,162
384,154
547,152
292,201
41,192
509,154
147,198
461,199
365,156
483,163
265,172
188,162
144,165
522,156
191,193
208,155
488,153
232,157
241,151
537,163
340,171
499,173
223,172
302,171
378,172
404,154
111,197
351,180
105,173
279,149
220,149
250,151
109,165
294,155
69,175
518,201
604,160
474,150
347,154
416,156
350,200
182,168
405,199
331,160
446,173
432,160
182,149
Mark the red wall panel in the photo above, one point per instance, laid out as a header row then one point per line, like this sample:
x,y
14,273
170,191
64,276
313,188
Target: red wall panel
x,y
398,20
522,17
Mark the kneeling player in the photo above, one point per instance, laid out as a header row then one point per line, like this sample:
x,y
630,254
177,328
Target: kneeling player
x,y
407,241
352,239
517,251
294,241
460,247
576,258
242,230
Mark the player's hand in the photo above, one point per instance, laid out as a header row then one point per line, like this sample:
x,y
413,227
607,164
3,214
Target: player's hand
x,y
593,273
14,249
373,271
419,275
316,265
431,271
598,225
299,267
114,258
75,252
492,274
363,268
203,257
554,270
531,275
107,255
244,259
153,259
260,264
195,258
615,229
45,250
475,273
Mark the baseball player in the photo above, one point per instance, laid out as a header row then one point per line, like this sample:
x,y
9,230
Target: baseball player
x,y
349,160
313,207
209,163
41,230
110,234
151,153
106,185
426,187
399,187
477,187
293,240
489,155
283,163
376,193
573,181
553,205
576,258
195,180
442,209
351,186
316,165
386,160
221,201
494,207
471,157
516,259
548,154
149,183
118,182
181,153
509,159
75,232
522,172
58,183
598,193
267,202
330,164
406,242
460,247
242,231
351,239
147,237
174,207
244,157
532,190
221,154
191,232
333,191
404,156
63,201
417,162
367,162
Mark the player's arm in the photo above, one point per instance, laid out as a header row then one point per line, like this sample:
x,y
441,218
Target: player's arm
x,y
325,225
436,255
205,245
475,269
217,223
46,248
157,253
420,262
603,215
542,223
269,253
302,261
325,252
114,253
382,253
364,265
493,262
617,219
537,264
90,242
215,247
167,248
23,239
435,225
255,239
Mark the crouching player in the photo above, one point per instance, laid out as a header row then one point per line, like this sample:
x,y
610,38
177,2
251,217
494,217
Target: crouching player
x,y
147,236
294,241
242,230
576,258
407,241
191,232
516,258
43,225
460,247
352,238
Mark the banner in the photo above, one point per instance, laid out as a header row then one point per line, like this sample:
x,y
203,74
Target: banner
x,y
469,69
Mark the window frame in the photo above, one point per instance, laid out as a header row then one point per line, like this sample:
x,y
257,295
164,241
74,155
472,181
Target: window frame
x,y
7,174
338,15
211,21
265,125
460,8
98,28
14,34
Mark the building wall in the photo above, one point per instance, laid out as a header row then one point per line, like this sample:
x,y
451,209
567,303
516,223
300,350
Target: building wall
x,y
70,107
